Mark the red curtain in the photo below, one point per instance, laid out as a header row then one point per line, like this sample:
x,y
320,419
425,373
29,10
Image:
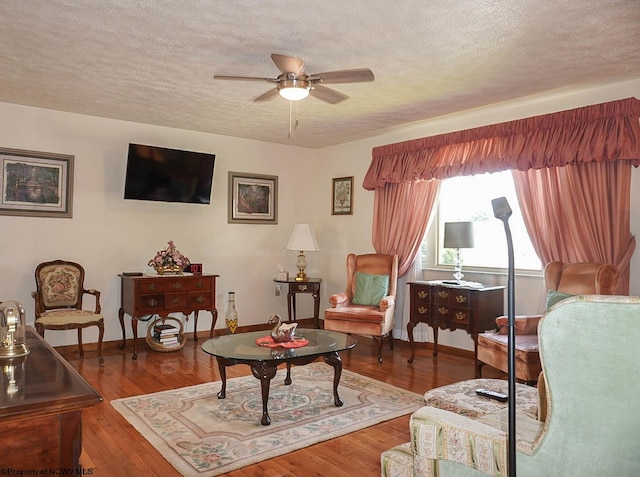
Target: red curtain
x,y
401,213
579,214
601,133
598,133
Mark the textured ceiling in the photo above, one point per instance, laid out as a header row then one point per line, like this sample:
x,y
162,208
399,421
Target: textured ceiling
x,y
152,61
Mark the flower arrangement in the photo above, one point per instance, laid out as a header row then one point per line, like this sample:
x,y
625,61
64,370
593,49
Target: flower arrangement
x,y
169,260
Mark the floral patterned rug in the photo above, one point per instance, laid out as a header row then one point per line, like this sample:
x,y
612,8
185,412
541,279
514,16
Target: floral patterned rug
x,y
201,435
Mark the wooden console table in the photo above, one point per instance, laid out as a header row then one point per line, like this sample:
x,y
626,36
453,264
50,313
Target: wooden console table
x,y
312,286
454,307
41,402
161,295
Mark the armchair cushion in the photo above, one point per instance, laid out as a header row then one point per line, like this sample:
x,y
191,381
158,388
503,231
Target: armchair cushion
x,y
370,289
555,296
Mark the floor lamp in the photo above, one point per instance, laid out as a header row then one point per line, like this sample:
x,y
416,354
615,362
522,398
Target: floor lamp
x,y
502,211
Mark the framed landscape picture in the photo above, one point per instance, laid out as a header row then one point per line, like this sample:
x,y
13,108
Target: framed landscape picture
x,y
36,184
342,196
253,198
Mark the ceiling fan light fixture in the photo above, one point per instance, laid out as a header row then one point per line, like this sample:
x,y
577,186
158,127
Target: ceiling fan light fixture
x,y
294,89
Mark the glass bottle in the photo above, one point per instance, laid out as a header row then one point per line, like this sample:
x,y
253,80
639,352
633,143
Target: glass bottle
x,y
231,317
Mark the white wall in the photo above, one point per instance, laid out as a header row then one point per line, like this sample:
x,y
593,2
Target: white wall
x,y
109,235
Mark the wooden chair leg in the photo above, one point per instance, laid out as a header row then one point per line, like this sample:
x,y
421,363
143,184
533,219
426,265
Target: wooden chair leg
x,y
379,340
100,336
80,343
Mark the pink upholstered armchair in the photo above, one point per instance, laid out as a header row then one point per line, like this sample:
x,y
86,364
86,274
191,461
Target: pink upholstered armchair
x,y
562,280
368,305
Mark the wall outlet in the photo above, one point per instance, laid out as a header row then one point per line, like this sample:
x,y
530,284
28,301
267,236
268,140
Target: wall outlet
x,y
278,290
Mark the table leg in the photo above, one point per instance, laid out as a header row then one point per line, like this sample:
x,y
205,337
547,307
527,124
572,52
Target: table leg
x,y
435,340
265,373
195,325
121,316
334,360
134,325
222,369
214,318
410,326
316,309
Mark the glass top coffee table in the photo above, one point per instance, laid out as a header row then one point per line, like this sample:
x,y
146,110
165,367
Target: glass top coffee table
x,y
241,348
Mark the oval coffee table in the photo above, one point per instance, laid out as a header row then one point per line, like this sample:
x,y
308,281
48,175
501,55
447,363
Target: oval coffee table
x,y
241,348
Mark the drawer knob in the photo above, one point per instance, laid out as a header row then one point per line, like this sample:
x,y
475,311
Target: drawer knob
x,y
302,287
175,301
423,310
152,302
422,294
443,311
199,285
199,299
461,315
152,286
443,294
177,285
461,298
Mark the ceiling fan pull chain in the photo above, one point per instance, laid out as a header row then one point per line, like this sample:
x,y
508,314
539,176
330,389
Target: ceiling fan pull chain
x,y
290,118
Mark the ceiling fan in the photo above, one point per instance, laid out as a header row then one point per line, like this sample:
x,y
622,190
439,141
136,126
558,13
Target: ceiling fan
x,y
294,84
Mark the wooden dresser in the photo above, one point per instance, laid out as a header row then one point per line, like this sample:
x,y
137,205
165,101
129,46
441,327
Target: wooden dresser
x,y
41,401
148,295
453,307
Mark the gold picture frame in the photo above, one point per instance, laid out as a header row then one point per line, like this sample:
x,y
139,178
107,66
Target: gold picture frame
x,y
253,198
36,184
342,196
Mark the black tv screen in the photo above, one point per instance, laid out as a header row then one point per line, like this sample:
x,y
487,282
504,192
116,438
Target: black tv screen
x,y
168,175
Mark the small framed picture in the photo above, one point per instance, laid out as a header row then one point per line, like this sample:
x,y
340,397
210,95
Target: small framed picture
x,y
342,196
36,184
253,198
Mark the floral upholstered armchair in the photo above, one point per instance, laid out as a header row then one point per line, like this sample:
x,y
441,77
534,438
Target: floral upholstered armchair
x,y
58,301
588,346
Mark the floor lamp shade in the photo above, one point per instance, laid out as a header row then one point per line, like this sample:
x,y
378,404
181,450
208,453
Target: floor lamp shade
x,y
303,240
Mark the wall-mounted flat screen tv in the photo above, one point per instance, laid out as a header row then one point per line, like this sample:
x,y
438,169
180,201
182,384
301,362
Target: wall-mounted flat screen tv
x,y
168,175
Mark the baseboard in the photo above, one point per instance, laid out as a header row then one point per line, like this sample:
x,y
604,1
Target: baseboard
x,y
204,335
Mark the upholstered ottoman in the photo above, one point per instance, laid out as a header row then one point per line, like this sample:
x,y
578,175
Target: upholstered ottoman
x,y
460,398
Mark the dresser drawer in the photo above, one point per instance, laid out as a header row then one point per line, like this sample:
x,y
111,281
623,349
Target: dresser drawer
x,y
200,300
304,287
451,296
150,303
175,284
452,317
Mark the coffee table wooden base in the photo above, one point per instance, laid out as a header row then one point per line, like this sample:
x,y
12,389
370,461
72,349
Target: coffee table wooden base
x,y
266,370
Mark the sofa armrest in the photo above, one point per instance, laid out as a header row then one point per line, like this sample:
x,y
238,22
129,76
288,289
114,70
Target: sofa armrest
x,y
440,434
338,299
525,324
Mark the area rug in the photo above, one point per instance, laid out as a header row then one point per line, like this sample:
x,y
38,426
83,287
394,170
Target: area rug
x,y
201,435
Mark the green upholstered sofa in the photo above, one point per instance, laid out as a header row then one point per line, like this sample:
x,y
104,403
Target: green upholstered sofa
x,y
591,392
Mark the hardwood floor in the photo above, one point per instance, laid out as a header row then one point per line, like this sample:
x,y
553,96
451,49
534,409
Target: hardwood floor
x,y
111,447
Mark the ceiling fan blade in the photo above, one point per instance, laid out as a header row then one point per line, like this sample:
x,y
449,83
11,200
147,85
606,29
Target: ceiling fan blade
x,y
288,64
358,75
243,78
272,93
327,94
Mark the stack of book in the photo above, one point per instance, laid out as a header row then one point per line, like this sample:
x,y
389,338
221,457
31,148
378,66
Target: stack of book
x,y
166,335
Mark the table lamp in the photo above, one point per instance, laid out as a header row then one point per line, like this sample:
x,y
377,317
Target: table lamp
x,y
303,240
458,235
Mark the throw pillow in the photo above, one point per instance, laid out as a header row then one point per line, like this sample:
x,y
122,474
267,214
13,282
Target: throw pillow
x,y
370,289
554,296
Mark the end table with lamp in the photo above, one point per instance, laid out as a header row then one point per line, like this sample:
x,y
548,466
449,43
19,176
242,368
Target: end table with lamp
x,y
309,286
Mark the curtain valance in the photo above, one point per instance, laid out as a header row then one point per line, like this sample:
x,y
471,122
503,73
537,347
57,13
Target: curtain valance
x,y
598,133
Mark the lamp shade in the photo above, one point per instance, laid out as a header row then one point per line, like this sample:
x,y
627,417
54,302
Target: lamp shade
x,y
458,235
303,239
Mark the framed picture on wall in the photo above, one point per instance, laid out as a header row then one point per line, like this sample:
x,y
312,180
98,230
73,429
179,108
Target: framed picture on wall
x,y
253,198
342,196
36,184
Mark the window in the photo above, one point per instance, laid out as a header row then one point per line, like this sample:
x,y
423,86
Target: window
x,y
468,198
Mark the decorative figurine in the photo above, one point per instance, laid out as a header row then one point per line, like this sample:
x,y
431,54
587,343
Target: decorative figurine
x,y
282,332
